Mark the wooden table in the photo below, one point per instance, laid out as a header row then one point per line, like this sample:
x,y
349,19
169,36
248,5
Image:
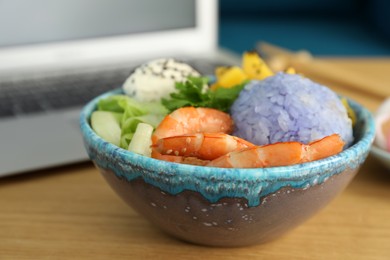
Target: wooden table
x,y
71,213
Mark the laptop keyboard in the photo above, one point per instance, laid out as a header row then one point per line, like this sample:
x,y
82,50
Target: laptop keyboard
x,y
19,97
32,96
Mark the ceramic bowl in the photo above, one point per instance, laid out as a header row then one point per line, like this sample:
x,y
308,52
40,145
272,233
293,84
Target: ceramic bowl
x,y
378,150
226,207
381,155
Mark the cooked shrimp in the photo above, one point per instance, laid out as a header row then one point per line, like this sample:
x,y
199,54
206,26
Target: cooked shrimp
x,y
179,159
191,120
204,146
325,147
280,154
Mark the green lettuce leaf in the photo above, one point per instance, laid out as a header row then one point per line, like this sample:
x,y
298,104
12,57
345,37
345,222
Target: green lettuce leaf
x,y
132,113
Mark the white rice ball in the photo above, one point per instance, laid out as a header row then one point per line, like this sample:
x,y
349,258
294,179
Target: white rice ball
x,y
156,79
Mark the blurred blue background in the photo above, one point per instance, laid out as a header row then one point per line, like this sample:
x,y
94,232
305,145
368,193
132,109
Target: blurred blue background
x,y
323,27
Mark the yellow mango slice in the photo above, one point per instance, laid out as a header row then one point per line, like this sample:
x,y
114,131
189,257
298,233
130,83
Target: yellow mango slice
x,y
350,111
229,77
219,71
291,70
254,67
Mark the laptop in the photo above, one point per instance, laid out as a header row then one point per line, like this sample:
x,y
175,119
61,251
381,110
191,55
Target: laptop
x,y
55,56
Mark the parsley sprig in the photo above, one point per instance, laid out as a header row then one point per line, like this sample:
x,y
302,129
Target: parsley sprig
x,y
192,92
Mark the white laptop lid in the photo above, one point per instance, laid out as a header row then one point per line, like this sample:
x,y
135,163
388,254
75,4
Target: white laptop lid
x,y
48,33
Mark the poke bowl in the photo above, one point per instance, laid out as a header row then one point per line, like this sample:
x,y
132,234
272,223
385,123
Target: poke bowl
x,y
381,147
226,207
381,155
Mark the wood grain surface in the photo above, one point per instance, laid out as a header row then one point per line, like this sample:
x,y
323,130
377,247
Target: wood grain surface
x,y
71,213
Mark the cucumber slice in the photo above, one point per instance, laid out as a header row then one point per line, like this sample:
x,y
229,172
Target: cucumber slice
x,y
107,125
142,140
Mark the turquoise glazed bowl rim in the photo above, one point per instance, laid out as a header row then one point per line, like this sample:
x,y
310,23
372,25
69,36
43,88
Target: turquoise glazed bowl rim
x,y
188,177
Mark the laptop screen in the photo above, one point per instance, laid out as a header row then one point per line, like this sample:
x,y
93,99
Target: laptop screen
x,y
45,21
52,34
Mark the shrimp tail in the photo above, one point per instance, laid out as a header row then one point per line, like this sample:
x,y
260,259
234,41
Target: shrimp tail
x,y
325,147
